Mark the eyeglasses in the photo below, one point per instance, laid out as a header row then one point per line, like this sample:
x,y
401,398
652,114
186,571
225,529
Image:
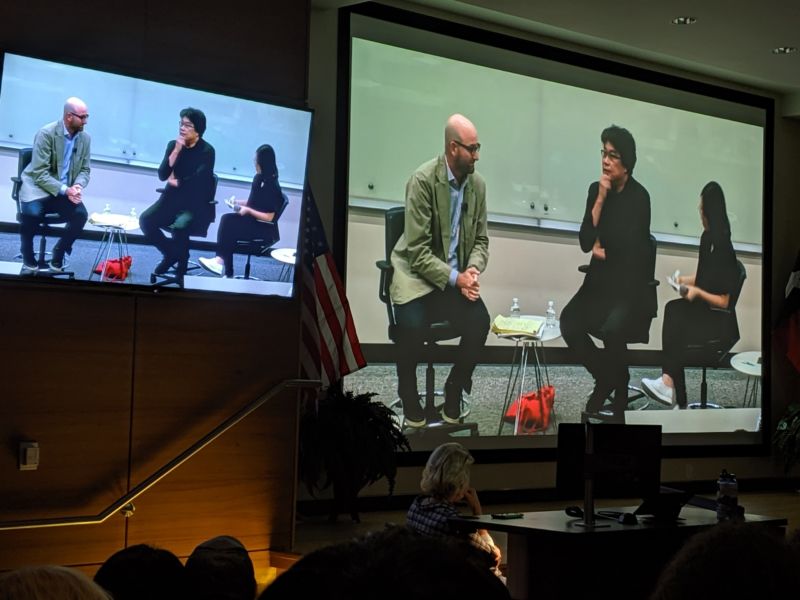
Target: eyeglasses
x,y
187,124
472,148
81,117
612,154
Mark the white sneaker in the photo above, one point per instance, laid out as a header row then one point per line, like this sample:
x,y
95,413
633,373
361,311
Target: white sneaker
x,y
211,265
658,390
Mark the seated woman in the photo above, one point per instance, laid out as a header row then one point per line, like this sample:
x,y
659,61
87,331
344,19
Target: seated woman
x,y
445,481
690,319
250,217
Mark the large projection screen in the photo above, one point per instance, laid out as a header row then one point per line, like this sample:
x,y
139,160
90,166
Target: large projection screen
x,y
539,116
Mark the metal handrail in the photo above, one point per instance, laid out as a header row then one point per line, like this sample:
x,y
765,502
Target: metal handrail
x,y
124,501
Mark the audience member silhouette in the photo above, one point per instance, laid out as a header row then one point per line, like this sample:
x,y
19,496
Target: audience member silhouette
x,y
732,561
220,569
49,582
142,571
393,564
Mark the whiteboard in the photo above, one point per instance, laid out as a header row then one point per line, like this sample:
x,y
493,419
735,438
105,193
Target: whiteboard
x,y
541,142
131,120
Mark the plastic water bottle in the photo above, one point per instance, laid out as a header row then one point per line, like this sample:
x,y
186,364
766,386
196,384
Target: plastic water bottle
x,y
550,314
133,212
107,208
727,496
515,309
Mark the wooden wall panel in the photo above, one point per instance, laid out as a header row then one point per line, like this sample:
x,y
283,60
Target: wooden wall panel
x,y
262,49
66,371
197,362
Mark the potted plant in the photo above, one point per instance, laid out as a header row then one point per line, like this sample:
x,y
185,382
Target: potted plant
x,y
348,441
786,439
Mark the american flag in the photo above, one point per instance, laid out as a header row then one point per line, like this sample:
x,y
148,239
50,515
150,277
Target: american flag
x,y
329,347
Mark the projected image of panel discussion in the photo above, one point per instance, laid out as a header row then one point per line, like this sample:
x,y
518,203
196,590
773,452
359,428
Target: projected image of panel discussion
x,y
539,238
119,180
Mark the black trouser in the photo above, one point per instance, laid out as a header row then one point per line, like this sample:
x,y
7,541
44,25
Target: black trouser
x,y
33,213
168,212
606,315
687,323
469,319
233,227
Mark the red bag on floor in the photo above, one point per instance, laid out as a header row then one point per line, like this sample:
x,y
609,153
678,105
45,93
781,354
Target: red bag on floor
x,y
117,269
536,409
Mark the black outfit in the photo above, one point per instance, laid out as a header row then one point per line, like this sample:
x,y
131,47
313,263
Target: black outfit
x,y
615,296
695,322
265,196
180,207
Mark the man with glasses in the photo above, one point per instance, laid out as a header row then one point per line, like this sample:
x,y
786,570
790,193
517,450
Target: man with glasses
x,y
188,170
615,292
437,265
53,182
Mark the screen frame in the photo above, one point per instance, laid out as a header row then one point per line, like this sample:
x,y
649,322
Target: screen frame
x,y
456,30
233,93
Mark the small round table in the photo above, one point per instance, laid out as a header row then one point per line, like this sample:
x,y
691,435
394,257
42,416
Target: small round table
x,y
288,258
749,363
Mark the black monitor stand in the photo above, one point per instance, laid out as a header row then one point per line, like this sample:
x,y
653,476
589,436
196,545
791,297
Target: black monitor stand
x,y
589,518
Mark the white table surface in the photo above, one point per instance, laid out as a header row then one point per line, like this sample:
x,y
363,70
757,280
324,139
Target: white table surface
x,y
285,255
747,363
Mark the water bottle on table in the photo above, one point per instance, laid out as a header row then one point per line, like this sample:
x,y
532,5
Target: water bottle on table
x,y
727,496
515,310
550,315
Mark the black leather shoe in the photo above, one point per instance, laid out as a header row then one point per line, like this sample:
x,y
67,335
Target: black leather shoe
x,y
163,266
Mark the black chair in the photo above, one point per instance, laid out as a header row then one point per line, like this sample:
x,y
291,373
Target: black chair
x,y
637,332
45,226
261,246
440,331
714,352
198,228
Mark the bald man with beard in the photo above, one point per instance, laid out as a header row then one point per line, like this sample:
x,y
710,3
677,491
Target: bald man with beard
x,y
437,266
53,182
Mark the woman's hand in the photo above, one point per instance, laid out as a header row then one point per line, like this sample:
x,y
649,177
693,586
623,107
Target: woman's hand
x,y
471,498
598,251
692,292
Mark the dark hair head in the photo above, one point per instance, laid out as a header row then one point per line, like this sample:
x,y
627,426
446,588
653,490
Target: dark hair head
x,y
397,562
197,117
731,560
713,201
220,569
265,157
623,142
142,571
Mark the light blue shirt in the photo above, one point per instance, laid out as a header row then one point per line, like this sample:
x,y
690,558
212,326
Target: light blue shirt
x,y
456,200
69,146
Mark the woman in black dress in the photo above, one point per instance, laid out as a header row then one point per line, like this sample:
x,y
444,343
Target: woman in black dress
x,y
691,318
252,218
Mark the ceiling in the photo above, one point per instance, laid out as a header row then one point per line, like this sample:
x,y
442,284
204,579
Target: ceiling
x,y
732,39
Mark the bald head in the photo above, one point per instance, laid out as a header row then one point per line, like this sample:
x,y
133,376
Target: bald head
x,y
461,146
75,114
458,128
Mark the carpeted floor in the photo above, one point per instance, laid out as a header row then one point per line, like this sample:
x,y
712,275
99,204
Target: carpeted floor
x,y
145,257
573,384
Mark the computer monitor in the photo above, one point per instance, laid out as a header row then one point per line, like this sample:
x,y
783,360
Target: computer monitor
x,y
621,461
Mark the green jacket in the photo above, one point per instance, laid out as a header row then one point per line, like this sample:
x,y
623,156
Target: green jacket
x,y
41,177
420,256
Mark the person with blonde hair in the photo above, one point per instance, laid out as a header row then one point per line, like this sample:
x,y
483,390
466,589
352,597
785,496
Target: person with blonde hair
x,y
445,482
52,582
